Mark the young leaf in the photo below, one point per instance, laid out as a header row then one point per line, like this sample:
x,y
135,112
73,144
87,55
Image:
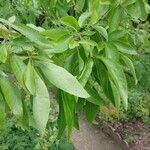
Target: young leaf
x,y
3,53
29,78
70,21
41,105
117,75
62,79
129,64
12,96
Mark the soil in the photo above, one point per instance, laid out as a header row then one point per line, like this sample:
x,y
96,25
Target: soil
x,y
91,137
135,133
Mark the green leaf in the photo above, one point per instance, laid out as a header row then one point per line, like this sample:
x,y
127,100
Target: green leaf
x,y
102,31
114,19
3,53
101,75
83,78
41,105
61,46
61,117
70,21
94,98
55,34
115,35
91,111
29,78
68,102
116,95
128,2
112,52
62,79
79,5
83,18
117,75
30,33
95,8
130,65
88,42
12,96
2,112
140,9
125,48
18,67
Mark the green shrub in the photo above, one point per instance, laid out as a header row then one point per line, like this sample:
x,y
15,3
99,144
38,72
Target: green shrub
x,y
15,138
80,47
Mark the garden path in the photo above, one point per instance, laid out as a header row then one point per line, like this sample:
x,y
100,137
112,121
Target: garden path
x,y
91,138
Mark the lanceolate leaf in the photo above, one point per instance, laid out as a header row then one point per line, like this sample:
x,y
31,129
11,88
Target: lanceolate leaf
x,y
61,46
3,53
102,31
29,78
62,79
115,18
30,33
2,112
18,67
116,95
94,98
86,72
125,48
112,52
116,35
68,102
90,111
101,75
12,96
140,9
80,5
117,75
61,117
128,2
55,34
130,65
41,105
70,21
83,18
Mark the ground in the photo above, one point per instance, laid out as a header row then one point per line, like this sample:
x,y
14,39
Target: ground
x,y
91,138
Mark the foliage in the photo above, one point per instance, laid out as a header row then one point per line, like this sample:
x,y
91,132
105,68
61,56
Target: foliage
x,y
85,46
13,137
138,109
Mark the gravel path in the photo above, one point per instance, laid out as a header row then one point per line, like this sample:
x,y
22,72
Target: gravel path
x,y
91,138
